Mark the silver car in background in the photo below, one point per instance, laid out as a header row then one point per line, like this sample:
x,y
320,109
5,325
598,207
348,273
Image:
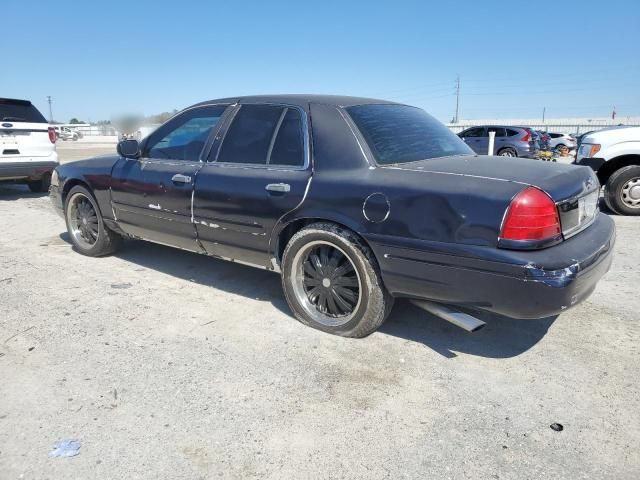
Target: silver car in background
x,y
509,141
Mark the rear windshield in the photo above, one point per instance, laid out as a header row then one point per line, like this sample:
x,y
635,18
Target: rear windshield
x,y
16,111
400,134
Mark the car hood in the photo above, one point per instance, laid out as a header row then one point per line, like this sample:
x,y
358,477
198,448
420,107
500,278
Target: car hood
x,y
560,181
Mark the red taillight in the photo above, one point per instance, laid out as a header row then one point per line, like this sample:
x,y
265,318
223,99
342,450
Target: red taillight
x,y
52,135
527,136
532,215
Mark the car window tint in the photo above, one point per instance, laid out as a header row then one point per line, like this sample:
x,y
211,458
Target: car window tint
x,y
511,132
288,147
19,111
499,131
474,132
400,133
183,137
249,136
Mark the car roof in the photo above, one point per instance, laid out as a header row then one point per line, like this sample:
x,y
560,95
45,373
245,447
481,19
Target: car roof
x,y
15,101
301,100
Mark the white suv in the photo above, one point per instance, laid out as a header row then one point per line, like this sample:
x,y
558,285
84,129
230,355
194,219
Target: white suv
x,y
27,145
614,154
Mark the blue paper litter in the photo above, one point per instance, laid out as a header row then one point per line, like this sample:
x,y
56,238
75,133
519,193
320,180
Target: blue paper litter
x,y
65,448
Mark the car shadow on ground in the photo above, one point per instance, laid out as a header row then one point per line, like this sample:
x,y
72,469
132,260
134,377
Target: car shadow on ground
x,y
502,337
12,191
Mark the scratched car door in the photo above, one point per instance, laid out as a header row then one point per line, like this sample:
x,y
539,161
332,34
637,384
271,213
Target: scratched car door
x,y
152,195
260,172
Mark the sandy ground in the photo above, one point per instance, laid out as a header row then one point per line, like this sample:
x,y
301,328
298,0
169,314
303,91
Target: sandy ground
x,y
166,364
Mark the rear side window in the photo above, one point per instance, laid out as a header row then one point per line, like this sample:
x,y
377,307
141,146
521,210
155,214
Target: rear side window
x,y
400,134
265,135
499,131
555,135
511,132
19,111
288,146
249,137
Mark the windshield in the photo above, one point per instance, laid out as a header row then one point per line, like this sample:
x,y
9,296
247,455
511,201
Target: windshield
x,y
400,134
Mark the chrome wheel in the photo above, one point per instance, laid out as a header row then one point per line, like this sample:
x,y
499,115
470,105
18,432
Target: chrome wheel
x,y
630,193
326,283
507,153
83,221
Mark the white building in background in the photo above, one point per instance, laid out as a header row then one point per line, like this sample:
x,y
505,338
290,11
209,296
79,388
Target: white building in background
x,y
559,125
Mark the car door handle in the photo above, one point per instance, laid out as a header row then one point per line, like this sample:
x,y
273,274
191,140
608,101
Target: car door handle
x,y
179,178
278,187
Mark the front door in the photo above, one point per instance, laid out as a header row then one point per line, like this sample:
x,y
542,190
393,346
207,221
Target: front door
x,y
259,173
151,196
476,138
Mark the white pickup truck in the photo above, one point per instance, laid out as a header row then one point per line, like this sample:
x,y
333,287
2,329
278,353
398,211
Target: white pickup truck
x,y
614,154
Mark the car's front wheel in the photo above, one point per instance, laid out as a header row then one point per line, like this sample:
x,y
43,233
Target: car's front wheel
x,y
332,281
622,192
86,228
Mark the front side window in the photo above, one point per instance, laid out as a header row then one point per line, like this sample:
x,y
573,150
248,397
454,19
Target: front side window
x,y
401,134
184,137
264,135
474,132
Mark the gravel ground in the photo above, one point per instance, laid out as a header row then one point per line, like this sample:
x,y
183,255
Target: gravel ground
x,y
166,364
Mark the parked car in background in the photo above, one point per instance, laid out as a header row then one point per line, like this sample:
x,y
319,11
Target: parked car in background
x,y
66,133
614,153
558,140
355,201
27,145
509,141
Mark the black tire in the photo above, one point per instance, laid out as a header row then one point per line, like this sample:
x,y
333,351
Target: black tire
x,y
42,185
617,197
374,302
106,241
507,152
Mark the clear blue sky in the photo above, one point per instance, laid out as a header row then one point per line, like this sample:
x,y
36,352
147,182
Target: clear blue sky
x,y
99,58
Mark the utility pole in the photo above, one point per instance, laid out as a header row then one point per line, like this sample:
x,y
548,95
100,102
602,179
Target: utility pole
x,y
544,110
50,112
457,96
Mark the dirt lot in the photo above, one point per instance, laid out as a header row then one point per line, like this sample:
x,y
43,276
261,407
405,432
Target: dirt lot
x,y
166,364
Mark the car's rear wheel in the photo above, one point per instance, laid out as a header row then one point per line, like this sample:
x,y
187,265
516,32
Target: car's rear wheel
x,y
42,185
332,281
507,152
86,228
622,192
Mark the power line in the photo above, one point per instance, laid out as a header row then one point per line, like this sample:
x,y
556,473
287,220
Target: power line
x,y
457,97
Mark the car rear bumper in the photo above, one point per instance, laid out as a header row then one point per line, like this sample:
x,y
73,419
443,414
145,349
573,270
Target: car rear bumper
x,y
27,169
518,284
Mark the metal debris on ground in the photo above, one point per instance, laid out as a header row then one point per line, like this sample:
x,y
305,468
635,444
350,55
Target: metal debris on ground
x,y
65,448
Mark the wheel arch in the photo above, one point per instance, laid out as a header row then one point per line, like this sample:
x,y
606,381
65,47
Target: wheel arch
x,y
69,184
283,235
616,163
507,147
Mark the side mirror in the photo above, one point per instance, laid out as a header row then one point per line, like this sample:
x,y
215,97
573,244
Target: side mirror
x,y
129,149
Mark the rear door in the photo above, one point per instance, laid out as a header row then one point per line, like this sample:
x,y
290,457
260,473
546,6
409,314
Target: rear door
x,y
500,139
151,196
475,138
24,133
260,172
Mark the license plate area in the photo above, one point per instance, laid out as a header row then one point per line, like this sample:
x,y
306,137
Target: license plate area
x,y
579,213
